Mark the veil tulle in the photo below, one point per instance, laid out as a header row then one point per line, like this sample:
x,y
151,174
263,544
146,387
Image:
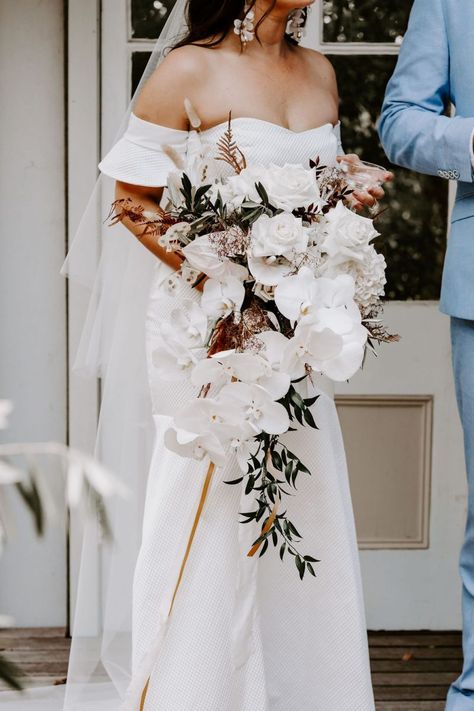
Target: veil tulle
x,y
116,272
112,347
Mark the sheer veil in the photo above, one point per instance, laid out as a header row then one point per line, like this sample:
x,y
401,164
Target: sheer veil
x,y
116,272
113,348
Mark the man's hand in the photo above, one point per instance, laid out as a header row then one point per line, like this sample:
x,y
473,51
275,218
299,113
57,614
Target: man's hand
x,y
370,197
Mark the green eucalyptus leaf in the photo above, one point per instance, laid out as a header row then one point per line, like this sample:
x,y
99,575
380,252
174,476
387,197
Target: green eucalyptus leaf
x,y
234,481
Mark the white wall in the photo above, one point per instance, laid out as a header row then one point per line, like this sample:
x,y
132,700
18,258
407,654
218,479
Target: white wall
x,y
32,294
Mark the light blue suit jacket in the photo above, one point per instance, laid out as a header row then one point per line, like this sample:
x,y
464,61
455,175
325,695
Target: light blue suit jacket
x,y
436,67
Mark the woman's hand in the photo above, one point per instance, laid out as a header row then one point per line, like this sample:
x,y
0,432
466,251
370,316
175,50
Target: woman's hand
x,y
370,197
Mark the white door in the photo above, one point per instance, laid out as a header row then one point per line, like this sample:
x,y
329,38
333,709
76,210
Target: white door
x,y
399,417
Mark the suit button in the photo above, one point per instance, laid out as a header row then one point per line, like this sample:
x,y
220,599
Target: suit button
x,y
442,174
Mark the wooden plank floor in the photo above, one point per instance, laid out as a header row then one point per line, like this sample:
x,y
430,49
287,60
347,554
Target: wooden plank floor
x,y
411,671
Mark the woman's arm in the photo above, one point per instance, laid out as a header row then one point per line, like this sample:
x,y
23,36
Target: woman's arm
x,y
174,79
149,200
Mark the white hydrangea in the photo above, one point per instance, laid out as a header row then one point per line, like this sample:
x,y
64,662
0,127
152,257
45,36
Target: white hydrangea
x,y
369,276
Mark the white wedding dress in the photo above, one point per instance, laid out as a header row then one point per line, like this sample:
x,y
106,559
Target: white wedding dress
x,y
245,634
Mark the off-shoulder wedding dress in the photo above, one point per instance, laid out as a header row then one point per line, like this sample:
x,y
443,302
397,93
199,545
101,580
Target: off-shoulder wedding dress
x,y
244,634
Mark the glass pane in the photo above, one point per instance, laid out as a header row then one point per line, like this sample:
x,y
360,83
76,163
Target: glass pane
x,y
139,62
149,16
415,223
365,20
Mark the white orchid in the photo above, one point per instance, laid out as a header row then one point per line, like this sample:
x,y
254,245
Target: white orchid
x,y
294,294
199,430
369,274
188,324
171,239
269,271
250,368
174,360
223,367
277,381
202,255
253,405
298,296
221,299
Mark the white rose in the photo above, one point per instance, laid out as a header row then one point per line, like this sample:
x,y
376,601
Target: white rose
x,y
291,186
241,187
282,235
348,235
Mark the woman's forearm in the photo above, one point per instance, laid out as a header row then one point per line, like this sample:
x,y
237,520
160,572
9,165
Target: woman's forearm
x,y
149,202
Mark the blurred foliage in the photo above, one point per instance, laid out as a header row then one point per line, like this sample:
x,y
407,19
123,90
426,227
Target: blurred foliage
x,y
149,17
365,20
414,225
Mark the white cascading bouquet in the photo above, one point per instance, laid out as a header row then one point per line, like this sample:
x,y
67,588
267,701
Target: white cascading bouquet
x,y
291,287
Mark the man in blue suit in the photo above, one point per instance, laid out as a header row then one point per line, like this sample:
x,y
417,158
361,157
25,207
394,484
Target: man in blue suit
x,y
435,70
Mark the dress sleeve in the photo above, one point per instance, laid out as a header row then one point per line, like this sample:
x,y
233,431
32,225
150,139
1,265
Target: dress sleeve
x,y
138,157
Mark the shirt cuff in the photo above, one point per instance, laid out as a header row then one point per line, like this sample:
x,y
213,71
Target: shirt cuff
x,y
472,148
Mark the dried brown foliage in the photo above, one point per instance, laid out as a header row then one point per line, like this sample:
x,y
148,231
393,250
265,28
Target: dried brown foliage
x,y
126,209
230,334
228,150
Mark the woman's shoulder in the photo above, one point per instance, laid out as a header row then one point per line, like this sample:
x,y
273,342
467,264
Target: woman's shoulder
x,y
319,63
161,100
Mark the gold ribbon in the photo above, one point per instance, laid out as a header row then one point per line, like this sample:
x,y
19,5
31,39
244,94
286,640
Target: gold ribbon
x,y
202,500
265,529
273,513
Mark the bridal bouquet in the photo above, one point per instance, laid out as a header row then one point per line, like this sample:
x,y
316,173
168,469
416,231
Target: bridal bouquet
x,y
289,287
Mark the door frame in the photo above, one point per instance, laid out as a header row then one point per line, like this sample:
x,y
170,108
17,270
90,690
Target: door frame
x,y
83,153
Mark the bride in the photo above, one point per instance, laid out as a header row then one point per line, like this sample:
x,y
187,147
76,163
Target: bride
x,y
211,628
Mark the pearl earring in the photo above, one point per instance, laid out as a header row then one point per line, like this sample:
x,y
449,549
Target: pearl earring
x,y
296,22
245,28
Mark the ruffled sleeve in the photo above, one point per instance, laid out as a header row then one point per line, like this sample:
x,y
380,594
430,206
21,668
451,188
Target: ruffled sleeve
x,y
138,157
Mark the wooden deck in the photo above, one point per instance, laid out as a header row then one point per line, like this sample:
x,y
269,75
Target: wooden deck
x,y
411,671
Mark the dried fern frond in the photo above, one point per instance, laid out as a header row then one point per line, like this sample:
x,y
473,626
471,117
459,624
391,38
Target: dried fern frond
x,y
154,223
228,150
378,332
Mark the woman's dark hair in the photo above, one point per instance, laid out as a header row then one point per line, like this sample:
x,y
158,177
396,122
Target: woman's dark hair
x,y
215,19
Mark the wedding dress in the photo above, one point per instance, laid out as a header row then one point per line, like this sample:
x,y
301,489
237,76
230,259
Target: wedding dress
x,y
244,634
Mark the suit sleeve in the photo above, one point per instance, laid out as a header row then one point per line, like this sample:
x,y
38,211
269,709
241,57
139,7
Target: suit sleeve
x,y
413,129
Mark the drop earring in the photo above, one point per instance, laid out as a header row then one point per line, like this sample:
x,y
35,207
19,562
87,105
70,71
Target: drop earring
x,y
245,28
296,23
